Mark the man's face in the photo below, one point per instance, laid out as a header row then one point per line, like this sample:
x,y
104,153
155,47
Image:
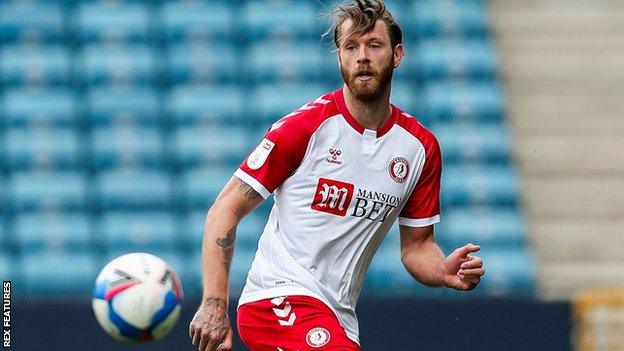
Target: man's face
x,y
367,62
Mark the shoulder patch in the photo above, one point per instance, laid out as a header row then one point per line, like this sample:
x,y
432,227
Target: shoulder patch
x,y
259,156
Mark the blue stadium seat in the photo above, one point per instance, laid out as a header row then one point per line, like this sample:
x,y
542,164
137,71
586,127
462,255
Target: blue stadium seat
x,y
56,273
30,21
443,59
137,231
280,19
48,190
99,64
200,145
33,147
463,101
479,186
196,20
199,187
126,145
123,104
274,101
203,63
43,65
282,61
404,95
205,104
134,188
493,228
473,143
449,18
112,21
509,272
38,107
52,232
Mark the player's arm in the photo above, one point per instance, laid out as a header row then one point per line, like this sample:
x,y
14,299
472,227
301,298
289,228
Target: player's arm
x,y
210,326
424,260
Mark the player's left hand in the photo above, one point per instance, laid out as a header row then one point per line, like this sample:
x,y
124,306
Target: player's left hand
x,y
463,271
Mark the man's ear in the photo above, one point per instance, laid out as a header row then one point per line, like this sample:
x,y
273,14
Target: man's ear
x,y
398,53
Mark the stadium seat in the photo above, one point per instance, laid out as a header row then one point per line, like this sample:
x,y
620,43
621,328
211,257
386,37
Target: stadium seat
x,y
33,190
196,104
59,273
205,144
217,62
457,59
274,101
485,143
125,145
134,188
438,18
493,228
271,60
404,95
30,21
111,21
38,106
182,20
36,232
463,101
199,187
510,272
280,20
123,104
129,64
137,231
479,186
45,148
28,64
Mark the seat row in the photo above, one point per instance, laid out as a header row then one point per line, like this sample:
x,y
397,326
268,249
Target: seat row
x,y
177,19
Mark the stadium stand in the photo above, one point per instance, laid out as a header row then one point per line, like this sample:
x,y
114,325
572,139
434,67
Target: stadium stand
x,y
122,120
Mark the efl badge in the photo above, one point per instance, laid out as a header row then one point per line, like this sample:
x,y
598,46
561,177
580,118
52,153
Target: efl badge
x,y
399,169
318,337
260,154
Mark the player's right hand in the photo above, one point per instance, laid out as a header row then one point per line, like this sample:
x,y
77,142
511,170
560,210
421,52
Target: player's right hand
x,y
210,328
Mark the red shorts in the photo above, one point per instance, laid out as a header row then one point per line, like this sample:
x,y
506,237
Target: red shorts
x,y
291,323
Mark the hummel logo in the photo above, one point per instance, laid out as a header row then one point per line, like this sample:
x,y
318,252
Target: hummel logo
x,y
334,156
285,312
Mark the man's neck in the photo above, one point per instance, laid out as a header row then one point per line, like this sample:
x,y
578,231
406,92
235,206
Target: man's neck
x,y
371,115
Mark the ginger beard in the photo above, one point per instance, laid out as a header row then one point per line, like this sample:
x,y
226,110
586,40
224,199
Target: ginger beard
x,y
373,88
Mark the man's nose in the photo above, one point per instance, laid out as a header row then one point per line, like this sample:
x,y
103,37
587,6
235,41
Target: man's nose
x,y
363,55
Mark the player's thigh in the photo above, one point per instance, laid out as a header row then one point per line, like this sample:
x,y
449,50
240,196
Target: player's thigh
x,y
291,323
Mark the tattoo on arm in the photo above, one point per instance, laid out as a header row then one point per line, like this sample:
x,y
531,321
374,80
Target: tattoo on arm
x,y
250,193
216,317
227,244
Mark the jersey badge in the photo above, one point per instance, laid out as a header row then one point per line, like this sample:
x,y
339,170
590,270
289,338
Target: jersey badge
x,y
259,156
399,169
334,156
318,337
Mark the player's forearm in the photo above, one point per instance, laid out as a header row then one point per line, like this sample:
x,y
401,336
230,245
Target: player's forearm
x,y
425,262
217,251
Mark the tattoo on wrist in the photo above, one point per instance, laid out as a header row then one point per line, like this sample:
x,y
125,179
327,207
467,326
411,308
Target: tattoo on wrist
x,y
215,315
250,193
227,244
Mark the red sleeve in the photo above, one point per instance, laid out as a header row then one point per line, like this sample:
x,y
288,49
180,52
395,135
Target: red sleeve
x,y
423,206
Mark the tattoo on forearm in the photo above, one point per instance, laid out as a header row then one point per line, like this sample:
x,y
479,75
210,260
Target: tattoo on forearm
x,y
215,312
227,244
250,193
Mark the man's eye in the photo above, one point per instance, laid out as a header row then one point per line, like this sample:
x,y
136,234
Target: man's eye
x,y
350,48
375,46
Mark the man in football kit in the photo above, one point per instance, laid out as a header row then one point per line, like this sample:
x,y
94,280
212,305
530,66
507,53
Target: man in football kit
x,y
342,169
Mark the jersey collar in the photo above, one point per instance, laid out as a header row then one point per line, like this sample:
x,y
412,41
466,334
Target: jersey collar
x,y
342,108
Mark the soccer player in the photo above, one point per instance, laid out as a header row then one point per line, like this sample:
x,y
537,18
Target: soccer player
x,y
342,169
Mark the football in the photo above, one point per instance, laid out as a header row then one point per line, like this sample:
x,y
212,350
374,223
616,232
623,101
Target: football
x,y
137,298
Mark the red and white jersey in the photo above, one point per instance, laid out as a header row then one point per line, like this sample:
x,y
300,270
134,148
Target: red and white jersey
x,y
338,189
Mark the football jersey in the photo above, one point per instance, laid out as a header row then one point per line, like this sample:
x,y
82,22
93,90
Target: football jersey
x,y
338,188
